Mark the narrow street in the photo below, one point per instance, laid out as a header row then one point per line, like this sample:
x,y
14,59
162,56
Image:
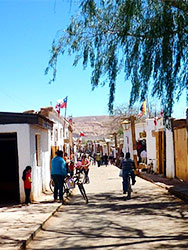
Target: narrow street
x,y
152,219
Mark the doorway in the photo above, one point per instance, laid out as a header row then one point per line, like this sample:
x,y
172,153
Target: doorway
x,y
9,177
161,152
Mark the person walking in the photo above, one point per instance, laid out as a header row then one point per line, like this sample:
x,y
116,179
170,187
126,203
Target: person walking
x,y
106,159
98,159
127,166
85,165
26,177
58,174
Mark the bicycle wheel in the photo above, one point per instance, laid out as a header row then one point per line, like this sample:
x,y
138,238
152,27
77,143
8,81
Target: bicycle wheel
x,y
129,189
66,190
83,192
51,184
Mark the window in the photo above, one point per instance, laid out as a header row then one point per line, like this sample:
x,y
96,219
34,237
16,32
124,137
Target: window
x,y
37,150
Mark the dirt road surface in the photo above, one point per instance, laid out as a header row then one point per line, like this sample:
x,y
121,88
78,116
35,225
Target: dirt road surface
x,y
152,219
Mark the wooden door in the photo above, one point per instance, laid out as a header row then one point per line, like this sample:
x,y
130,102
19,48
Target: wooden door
x,y
160,153
180,144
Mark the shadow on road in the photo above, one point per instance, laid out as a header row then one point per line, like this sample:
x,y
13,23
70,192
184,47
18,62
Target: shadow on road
x,y
107,223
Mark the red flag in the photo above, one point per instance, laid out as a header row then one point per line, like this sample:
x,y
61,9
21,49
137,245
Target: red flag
x,y
64,103
82,133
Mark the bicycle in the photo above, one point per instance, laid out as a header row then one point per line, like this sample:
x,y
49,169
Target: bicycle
x,y
79,180
66,187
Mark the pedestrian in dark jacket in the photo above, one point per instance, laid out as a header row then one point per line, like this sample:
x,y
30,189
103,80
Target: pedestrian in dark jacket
x,y
106,159
127,166
58,174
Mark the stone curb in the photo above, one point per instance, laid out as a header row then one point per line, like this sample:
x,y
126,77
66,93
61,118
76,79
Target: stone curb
x,y
169,189
178,194
24,243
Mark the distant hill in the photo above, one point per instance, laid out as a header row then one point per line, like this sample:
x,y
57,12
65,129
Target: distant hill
x,y
94,127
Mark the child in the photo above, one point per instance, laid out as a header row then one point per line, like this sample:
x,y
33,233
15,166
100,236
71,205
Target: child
x,y
71,168
27,183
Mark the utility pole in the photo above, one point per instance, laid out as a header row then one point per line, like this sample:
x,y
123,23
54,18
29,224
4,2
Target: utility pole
x,y
132,120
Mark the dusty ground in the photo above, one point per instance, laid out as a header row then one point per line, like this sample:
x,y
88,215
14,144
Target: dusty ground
x,y
152,219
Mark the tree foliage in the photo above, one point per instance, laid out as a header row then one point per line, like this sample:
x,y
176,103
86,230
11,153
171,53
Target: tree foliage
x,y
146,39
120,113
123,112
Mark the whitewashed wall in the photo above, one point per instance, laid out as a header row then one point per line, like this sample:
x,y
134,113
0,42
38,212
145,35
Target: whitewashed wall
x,y
27,156
40,174
127,145
170,166
61,135
151,140
57,140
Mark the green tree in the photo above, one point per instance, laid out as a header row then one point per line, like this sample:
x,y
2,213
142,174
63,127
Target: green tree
x,y
120,113
146,39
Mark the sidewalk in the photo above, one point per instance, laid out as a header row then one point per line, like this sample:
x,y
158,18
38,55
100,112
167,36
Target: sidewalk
x,y
19,223
174,186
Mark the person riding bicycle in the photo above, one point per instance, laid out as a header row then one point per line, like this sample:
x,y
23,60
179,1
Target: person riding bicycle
x,y
127,166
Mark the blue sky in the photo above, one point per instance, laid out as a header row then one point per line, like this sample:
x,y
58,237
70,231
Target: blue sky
x,y
27,29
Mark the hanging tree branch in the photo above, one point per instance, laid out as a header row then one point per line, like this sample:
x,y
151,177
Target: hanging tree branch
x,y
146,39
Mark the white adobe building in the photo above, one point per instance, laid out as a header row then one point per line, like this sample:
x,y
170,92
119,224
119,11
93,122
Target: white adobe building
x,y
151,139
61,134
24,140
151,129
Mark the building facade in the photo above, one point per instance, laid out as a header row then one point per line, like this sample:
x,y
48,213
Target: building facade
x,y
24,140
